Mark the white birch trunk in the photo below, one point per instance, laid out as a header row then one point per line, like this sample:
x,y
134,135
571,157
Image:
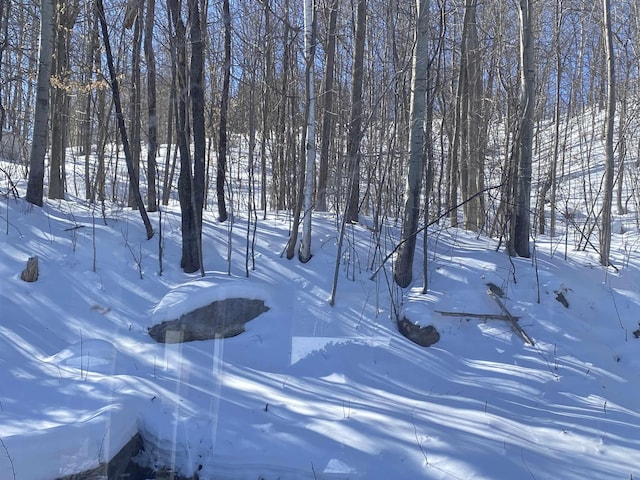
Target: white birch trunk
x,y
403,267
305,245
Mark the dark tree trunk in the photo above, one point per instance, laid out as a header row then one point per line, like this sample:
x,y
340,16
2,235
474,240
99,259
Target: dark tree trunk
x,y
65,18
190,96
605,226
115,89
151,106
169,163
196,74
136,99
328,113
35,185
524,148
89,107
355,121
266,91
189,261
224,109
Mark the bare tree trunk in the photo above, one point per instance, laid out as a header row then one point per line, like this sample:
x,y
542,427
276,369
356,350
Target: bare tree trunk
x,y
87,123
189,261
605,227
295,222
433,84
35,185
196,90
299,176
550,183
115,89
283,171
457,168
98,187
304,254
152,114
355,120
462,113
224,109
136,102
474,137
622,150
327,111
66,13
169,170
266,92
190,87
58,116
252,217
524,147
403,266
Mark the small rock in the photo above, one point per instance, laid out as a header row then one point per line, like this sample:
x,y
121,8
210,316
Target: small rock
x,y
30,274
423,336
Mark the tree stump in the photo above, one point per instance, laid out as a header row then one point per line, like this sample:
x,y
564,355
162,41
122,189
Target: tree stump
x,y
30,274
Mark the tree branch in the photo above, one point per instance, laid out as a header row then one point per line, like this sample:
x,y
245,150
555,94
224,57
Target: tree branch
x,y
443,215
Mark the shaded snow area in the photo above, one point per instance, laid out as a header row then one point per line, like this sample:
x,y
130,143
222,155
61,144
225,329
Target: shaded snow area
x,y
309,391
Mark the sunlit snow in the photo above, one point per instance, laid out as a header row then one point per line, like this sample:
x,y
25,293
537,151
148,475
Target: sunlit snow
x,y
310,391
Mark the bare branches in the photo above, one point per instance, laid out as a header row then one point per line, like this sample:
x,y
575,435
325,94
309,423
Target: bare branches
x,y
433,222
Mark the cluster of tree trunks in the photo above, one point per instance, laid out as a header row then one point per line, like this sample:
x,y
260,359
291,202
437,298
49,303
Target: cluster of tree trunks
x,y
407,102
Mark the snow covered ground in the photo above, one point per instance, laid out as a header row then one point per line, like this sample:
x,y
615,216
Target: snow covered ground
x,y
310,391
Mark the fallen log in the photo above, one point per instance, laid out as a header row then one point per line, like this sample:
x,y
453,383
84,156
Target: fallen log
x,y
514,321
482,316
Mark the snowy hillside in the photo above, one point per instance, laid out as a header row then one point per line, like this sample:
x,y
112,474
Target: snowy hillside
x,y
313,391
310,391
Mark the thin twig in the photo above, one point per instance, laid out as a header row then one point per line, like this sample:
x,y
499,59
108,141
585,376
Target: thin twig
x,y
615,306
415,431
433,222
12,186
6,450
525,464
